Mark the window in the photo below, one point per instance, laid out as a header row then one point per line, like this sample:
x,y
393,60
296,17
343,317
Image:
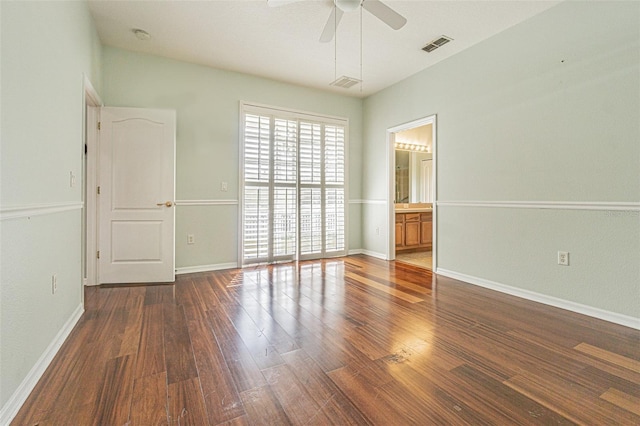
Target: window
x,y
292,185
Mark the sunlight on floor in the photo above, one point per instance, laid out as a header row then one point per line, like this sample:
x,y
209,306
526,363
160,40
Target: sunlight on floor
x,y
422,259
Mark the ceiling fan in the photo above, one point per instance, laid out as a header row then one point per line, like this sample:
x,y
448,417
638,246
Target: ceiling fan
x,y
375,7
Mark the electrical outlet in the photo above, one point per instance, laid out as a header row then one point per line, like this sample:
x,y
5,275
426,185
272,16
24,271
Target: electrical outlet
x,y
54,283
191,239
377,230
72,180
224,187
563,258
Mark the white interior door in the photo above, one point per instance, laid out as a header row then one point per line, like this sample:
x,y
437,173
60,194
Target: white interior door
x,y
136,181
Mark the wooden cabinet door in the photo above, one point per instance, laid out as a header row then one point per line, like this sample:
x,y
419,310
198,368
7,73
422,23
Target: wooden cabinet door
x,y
426,233
399,234
412,234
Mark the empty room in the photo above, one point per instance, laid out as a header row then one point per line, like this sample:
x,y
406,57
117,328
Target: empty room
x,y
319,212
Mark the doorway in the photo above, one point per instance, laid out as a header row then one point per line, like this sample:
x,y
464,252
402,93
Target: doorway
x,y
412,193
92,104
130,236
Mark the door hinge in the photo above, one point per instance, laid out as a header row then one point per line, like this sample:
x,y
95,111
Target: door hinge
x,y
98,191
98,254
99,125
85,149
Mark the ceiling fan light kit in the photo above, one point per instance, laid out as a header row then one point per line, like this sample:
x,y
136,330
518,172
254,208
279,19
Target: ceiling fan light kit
x,y
347,5
377,8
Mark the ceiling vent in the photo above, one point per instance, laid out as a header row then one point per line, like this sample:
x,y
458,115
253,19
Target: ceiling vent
x,y
345,82
433,45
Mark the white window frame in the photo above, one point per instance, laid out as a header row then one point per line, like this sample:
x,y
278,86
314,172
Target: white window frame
x,y
284,113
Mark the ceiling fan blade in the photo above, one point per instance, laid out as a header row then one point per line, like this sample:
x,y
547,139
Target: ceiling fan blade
x,y
332,23
276,3
385,13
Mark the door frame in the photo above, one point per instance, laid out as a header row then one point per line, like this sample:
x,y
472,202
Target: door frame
x,y
391,161
90,119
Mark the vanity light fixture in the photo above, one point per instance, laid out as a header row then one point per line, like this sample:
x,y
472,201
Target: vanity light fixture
x,y
412,147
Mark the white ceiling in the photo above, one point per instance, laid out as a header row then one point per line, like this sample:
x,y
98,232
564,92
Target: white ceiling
x,y
281,43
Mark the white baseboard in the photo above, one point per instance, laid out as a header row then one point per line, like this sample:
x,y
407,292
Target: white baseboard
x,y
205,268
221,266
613,317
18,398
368,253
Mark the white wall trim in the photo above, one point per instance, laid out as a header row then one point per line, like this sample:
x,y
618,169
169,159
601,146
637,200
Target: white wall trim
x,y
18,398
552,205
90,94
359,201
368,253
206,202
17,212
205,268
613,317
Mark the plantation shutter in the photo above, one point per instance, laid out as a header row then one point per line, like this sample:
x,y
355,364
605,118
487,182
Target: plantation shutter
x,y
293,186
334,189
256,187
285,141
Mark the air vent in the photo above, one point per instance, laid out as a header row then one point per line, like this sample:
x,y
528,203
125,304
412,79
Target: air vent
x,y
433,45
345,82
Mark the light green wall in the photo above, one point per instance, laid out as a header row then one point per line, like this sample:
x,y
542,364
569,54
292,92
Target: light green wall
x,y
46,49
207,104
545,111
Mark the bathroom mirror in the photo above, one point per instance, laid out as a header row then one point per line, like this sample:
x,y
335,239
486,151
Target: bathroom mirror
x,y
414,165
413,177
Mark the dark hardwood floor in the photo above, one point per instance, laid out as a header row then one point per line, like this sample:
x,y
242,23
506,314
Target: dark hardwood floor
x,y
343,341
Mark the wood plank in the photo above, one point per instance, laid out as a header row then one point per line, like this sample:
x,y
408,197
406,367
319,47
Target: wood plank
x,y
622,400
324,392
575,403
263,408
133,328
241,364
264,353
149,401
186,406
113,401
178,352
366,397
159,294
622,361
597,366
436,397
219,390
383,288
294,397
150,359
238,421
267,325
517,407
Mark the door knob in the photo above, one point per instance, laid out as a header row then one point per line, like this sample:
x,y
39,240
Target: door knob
x,y
167,204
